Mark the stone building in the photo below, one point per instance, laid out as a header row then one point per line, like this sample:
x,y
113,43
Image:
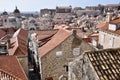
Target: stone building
x,y
55,55
4,18
44,36
109,33
62,9
63,14
96,65
51,12
92,8
16,12
112,7
18,47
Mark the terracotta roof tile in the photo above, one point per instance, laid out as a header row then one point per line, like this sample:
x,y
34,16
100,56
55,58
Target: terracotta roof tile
x,y
2,33
105,28
106,63
87,40
61,26
6,33
21,33
18,47
101,25
18,43
44,36
10,30
57,39
11,66
115,21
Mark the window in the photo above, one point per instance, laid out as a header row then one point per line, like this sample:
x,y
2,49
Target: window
x,y
76,51
111,42
66,68
59,53
112,27
102,38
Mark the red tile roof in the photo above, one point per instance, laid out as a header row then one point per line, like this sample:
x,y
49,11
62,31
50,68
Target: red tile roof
x,y
18,47
6,33
2,33
21,33
77,29
44,36
87,40
106,63
115,21
101,25
11,66
18,44
104,26
56,40
61,26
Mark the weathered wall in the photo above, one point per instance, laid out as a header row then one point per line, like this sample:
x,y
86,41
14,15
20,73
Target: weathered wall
x,y
106,42
52,66
81,69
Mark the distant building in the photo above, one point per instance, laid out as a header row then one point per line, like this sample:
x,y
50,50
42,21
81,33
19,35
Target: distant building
x,y
16,12
4,18
50,12
8,20
92,8
112,7
63,9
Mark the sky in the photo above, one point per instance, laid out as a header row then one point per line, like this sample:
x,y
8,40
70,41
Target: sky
x,y
36,5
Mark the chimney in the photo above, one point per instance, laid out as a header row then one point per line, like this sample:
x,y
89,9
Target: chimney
x,y
109,17
74,32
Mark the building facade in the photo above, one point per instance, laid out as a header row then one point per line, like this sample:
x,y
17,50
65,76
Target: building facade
x,y
55,56
109,34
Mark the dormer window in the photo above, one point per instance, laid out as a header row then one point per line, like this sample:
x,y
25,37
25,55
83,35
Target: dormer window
x,y
112,27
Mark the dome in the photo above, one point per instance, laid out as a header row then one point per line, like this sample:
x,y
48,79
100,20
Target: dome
x,y
5,13
16,10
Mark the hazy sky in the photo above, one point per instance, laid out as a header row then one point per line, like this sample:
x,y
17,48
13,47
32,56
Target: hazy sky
x,y
36,5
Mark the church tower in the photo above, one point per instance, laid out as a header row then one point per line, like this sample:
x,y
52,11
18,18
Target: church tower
x,y
16,12
5,17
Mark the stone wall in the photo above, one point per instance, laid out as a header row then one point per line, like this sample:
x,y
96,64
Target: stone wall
x,y
81,69
53,66
106,42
